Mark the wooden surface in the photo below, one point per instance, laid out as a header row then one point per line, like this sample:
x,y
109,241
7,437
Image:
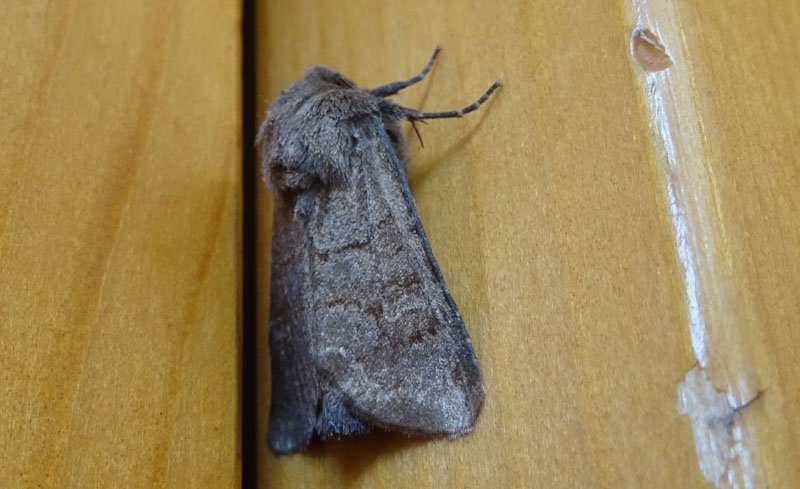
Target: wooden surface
x,y
119,244
604,230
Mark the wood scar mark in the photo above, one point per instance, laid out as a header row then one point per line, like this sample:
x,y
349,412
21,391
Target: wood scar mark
x,y
719,433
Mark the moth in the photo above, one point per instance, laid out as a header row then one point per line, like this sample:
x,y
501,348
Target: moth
x,y
363,330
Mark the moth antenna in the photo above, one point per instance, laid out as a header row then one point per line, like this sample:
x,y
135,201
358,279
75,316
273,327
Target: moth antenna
x,y
394,87
412,114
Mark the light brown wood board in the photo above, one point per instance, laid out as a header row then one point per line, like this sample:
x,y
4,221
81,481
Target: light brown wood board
x,y
604,230
120,174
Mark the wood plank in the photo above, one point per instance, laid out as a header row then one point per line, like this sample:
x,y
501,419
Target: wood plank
x,y
119,244
746,102
556,215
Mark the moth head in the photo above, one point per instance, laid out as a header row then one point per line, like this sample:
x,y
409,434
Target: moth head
x,y
312,130
322,76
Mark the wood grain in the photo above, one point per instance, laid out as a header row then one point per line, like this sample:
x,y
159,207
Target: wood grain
x,y
551,214
119,244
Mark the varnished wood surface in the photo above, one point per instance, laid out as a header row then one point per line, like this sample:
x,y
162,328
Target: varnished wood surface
x,y
604,230
746,102
120,244
561,215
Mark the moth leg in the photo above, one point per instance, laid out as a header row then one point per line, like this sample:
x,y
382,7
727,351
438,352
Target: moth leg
x,y
394,87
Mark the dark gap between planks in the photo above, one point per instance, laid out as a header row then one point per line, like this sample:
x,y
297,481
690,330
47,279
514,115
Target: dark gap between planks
x,y
249,435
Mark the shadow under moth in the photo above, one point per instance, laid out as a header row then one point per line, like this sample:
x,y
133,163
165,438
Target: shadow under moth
x,y
363,330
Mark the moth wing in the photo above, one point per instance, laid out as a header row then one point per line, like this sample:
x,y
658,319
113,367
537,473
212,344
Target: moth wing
x,y
390,343
295,390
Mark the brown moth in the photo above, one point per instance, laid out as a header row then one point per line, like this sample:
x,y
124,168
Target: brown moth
x,y
363,330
